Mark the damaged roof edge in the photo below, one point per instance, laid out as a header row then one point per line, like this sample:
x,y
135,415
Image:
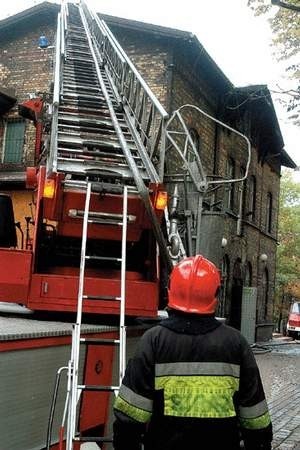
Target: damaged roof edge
x,y
263,89
167,33
287,161
28,13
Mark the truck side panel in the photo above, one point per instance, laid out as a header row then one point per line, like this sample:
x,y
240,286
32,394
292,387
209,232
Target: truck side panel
x,y
15,273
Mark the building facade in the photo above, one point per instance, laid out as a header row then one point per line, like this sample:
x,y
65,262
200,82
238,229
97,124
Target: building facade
x,y
239,221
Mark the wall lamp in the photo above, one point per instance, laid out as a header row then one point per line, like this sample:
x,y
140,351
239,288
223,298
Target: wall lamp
x,y
263,258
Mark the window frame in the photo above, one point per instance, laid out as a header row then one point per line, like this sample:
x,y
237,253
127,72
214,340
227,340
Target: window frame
x,y
269,212
15,159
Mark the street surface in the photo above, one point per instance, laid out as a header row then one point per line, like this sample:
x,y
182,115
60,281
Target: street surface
x,y
280,373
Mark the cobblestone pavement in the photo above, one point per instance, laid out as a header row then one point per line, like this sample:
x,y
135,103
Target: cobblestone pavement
x,y
280,373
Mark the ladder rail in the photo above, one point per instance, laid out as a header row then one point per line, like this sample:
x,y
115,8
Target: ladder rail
x,y
77,326
75,389
52,159
143,190
122,328
148,114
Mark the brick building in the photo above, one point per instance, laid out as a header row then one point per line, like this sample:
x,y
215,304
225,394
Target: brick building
x,y
179,71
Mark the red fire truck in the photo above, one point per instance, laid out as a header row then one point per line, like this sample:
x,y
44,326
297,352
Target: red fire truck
x,y
104,240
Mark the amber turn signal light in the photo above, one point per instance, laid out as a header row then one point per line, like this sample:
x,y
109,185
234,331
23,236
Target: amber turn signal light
x,y
161,200
49,188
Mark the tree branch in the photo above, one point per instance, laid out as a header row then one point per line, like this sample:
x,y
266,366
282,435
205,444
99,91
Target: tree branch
x,y
285,5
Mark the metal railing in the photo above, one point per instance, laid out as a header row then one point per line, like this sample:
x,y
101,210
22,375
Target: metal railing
x,y
186,176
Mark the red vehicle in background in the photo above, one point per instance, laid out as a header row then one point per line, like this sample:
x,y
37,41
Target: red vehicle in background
x,y
293,323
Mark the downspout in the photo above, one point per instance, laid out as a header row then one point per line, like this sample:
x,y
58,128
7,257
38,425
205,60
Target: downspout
x,y
169,79
216,146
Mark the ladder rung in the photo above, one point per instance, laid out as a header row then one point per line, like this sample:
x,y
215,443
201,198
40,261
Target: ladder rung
x,y
105,222
100,187
101,297
93,439
91,341
89,387
101,216
103,258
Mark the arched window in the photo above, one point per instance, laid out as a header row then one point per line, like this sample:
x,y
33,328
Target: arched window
x,y
230,172
195,138
248,275
242,193
221,311
251,213
196,141
269,212
237,275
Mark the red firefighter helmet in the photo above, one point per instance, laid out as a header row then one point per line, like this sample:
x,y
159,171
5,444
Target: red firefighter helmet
x,y
194,284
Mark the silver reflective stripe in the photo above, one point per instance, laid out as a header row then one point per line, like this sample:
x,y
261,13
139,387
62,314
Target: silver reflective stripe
x,y
135,399
248,412
197,368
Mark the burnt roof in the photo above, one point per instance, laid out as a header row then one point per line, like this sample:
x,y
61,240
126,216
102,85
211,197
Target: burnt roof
x,y
265,131
42,12
28,13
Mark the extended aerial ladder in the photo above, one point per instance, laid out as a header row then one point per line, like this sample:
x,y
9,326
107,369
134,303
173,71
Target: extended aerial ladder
x,y
99,103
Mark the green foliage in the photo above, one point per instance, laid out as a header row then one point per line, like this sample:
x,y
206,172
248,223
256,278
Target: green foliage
x,y
285,25
288,253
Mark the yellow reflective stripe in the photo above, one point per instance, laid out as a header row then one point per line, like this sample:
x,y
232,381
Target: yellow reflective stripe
x,y
256,423
135,413
198,396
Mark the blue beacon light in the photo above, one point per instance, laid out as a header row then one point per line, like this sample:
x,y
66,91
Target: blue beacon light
x,y
43,42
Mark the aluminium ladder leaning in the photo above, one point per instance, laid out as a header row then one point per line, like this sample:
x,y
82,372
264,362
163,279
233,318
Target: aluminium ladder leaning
x,y
74,388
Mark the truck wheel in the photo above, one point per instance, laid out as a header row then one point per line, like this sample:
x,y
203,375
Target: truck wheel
x,y
292,334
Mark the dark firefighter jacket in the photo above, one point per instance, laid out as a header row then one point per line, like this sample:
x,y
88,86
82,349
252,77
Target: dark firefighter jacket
x,y
192,384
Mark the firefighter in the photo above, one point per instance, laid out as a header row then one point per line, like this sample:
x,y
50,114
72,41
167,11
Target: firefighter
x,y
193,382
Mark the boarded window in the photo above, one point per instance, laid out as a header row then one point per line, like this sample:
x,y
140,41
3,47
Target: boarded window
x,y
251,213
14,142
222,306
248,275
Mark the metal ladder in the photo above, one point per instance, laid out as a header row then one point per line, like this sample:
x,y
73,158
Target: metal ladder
x,y
74,388
106,123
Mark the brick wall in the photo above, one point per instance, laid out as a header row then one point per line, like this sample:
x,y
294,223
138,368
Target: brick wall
x,y
27,69
175,77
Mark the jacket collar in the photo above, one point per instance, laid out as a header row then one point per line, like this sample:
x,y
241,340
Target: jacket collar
x,y
186,323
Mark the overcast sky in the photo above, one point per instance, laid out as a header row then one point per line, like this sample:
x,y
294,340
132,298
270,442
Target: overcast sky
x,y
237,41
